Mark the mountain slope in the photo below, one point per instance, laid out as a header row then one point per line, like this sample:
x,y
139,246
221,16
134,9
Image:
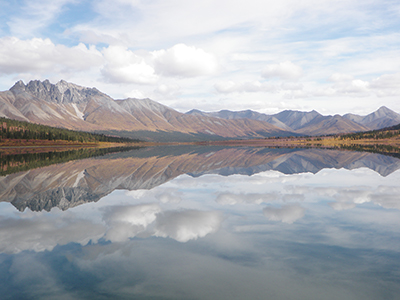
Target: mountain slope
x,y
80,108
74,107
64,105
161,117
305,123
249,114
383,117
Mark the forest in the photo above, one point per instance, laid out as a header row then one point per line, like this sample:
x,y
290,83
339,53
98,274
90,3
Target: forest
x,y
20,130
385,133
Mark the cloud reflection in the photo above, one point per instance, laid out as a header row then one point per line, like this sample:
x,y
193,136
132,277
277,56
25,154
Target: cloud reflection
x,y
187,225
149,219
40,232
286,214
232,199
127,221
44,233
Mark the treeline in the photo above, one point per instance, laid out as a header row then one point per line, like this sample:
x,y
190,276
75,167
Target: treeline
x,y
13,129
13,163
385,133
378,148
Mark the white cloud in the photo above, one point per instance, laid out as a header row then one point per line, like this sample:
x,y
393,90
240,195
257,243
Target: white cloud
x,y
286,214
386,81
33,16
355,86
122,65
226,87
290,86
339,77
168,89
138,94
284,70
41,56
184,61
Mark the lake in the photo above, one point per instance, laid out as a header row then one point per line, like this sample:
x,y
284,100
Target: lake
x,y
187,222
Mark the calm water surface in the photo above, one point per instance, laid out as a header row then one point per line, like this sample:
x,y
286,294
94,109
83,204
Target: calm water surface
x,y
204,223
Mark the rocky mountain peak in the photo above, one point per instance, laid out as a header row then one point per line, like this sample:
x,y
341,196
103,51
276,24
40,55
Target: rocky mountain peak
x,y
64,86
19,86
61,92
384,110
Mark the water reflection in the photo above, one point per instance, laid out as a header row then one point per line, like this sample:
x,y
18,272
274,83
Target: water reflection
x,y
285,224
77,182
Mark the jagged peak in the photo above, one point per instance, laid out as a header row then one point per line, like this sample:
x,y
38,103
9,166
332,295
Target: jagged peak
x,y
18,86
61,92
63,85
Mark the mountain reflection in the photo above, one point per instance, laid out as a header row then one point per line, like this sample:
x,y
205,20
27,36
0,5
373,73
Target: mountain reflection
x,y
76,182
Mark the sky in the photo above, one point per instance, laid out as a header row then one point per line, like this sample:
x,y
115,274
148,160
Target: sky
x,y
333,56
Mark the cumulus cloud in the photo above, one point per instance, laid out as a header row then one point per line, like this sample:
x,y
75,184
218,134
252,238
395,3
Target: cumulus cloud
x,y
138,94
290,86
226,87
352,87
386,81
122,65
187,225
184,61
284,70
168,89
286,214
339,77
41,55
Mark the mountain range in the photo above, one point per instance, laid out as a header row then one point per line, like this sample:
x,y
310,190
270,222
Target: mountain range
x,y
77,182
75,107
313,123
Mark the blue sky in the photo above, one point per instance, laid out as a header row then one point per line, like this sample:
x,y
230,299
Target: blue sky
x,y
331,56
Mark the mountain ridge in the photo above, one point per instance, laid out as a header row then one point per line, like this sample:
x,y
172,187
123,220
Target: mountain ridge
x,y
314,123
76,107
